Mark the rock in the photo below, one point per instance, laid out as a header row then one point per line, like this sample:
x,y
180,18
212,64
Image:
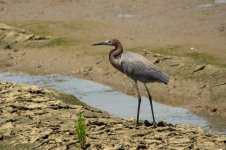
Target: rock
x,y
157,61
221,28
7,46
97,63
163,124
214,110
13,37
161,59
147,123
38,66
98,123
1,136
40,37
199,68
141,146
145,53
221,139
5,27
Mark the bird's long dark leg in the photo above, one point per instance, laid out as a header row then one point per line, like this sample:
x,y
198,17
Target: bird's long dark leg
x,y
139,101
150,99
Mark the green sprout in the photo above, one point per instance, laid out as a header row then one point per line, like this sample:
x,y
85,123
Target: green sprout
x,y
80,129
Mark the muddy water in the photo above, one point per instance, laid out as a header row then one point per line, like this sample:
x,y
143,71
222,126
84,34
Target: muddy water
x,y
115,102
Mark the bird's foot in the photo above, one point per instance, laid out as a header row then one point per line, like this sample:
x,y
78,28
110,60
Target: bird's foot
x,y
148,124
155,125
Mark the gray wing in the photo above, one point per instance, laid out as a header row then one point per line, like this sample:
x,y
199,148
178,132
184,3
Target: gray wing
x,y
139,68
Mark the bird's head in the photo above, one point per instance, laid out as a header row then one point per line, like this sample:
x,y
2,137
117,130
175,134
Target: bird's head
x,y
112,42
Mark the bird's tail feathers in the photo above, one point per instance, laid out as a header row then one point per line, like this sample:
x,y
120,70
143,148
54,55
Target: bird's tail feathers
x,y
164,78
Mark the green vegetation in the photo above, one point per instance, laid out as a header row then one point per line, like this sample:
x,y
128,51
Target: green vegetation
x,y
58,42
194,59
57,28
68,99
207,59
80,129
201,57
37,28
80,126
218,93
137,49
172,50
61,33
70,35
197,57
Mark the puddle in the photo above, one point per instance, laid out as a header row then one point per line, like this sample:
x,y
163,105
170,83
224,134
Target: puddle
x,y
219,1
215,2
125,16
115,102
205,5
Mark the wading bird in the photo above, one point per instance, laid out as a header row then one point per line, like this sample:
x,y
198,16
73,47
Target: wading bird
x,y
137,67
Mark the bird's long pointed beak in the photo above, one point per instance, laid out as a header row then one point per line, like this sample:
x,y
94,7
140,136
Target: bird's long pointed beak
x,y
101,43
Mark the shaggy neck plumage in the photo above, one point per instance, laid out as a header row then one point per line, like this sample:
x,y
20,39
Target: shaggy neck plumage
x,y
115,54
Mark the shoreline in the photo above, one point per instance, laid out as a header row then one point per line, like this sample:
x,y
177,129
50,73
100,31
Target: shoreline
x,y
34,117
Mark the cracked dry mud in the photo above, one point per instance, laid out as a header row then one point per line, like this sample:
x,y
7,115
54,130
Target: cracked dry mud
x,y
41,118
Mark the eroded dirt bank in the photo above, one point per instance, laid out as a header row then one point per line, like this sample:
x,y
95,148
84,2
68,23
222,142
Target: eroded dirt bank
x,y
41,118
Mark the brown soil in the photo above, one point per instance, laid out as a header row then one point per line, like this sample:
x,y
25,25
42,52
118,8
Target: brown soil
x,y
185,40
41,118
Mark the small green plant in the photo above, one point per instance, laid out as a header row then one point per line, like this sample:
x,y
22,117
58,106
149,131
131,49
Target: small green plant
x,y
58,42
80,129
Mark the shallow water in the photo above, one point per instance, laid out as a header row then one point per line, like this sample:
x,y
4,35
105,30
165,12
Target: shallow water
x,y
215,2
219,1
115,102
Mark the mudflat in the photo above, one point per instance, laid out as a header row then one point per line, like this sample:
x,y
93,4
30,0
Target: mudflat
x,y
41,118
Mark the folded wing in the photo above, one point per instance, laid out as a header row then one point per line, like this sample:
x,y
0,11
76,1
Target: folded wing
x,y
139,68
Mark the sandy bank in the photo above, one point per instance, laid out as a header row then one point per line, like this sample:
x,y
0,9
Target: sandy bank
x,y
41,118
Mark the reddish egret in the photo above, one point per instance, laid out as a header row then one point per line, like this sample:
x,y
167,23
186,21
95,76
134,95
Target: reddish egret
x,y
137,67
